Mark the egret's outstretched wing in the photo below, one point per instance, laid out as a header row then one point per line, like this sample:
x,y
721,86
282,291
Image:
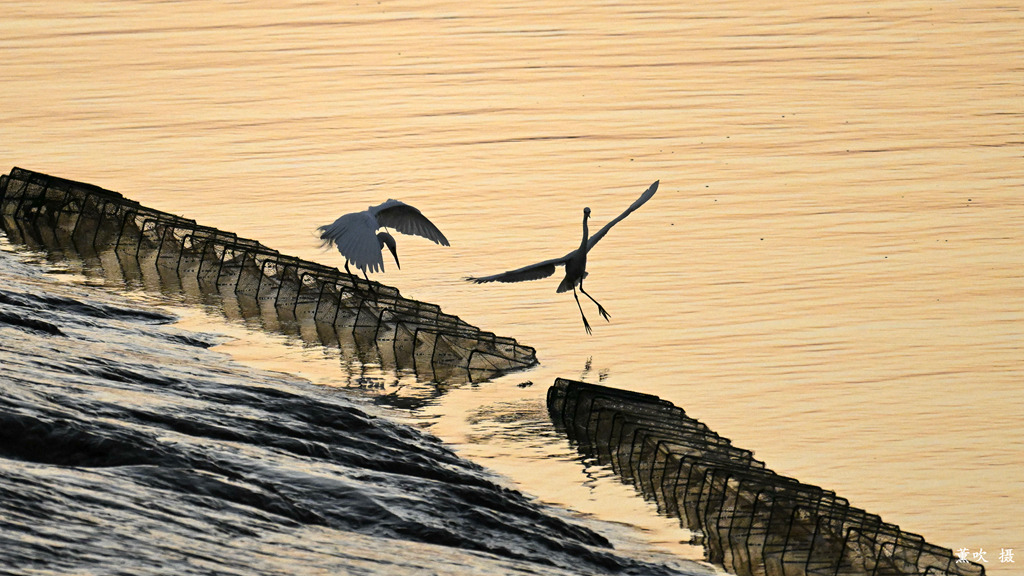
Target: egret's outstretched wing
x,y
596,237
531,272
407,220
355,236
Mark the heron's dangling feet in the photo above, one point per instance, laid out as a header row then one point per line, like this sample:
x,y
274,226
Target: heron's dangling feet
x,y
600,309
582,315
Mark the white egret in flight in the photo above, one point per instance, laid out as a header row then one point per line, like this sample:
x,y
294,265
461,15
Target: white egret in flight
x,y
358,241
575,262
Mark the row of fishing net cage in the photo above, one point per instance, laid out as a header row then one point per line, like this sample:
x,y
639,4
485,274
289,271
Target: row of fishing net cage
x,y
749,519
57,214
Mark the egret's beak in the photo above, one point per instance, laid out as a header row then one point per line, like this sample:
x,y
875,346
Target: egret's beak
x,y
389,241
394,252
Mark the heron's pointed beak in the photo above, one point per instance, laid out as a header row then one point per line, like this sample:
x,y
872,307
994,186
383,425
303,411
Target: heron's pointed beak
x,y
389,241
394,252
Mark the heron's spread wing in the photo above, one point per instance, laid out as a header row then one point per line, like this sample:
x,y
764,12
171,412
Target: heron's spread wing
x,y
355,236
595,237
407,220
531,272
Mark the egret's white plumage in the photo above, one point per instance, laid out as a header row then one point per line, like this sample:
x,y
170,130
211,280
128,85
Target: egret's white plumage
x,y
356,237
575,262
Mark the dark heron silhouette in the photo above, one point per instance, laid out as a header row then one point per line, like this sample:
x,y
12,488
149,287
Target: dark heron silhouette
x,y
575,262
357,239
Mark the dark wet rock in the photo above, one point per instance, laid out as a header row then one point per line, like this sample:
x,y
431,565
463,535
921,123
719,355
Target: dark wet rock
x,y
20,321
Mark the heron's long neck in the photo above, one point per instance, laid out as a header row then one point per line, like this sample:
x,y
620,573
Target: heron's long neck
x,y
586,235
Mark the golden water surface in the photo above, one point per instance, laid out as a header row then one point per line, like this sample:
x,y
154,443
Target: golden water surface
x,y
831,273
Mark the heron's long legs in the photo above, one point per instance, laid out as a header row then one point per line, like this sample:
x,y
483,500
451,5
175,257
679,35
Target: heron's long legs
x,y
600,308
584,316
370,288
355,280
